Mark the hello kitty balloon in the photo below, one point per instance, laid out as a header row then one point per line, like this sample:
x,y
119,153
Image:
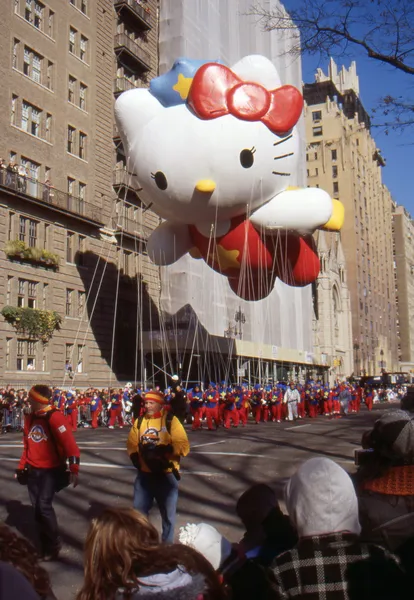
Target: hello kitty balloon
x,y
215,150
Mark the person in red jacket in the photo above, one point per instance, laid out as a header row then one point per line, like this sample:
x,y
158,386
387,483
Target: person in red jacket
x,y
96,409
48,444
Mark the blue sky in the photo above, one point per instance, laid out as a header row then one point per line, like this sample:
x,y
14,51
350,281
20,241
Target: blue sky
x,y
377,80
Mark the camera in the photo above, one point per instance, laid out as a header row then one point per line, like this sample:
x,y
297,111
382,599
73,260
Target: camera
x,y
363,457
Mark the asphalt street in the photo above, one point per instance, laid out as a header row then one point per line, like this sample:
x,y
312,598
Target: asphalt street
x,y
221,465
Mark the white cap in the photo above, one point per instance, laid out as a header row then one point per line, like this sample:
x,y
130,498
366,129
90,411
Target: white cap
x,y
206,540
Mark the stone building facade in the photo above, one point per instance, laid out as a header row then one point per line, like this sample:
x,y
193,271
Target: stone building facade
x,y
403,238
343,159
62,65
332,321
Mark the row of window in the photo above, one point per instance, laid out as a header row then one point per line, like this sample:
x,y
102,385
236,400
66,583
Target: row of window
x,y
78,44
77,142
316,173
27,294
77,93
75,303
31,119
314,155
32,64
37,235
28,355
41,16
37,14
81,5
34,120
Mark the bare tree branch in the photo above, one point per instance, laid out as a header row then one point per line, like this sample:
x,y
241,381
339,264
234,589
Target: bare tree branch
x,y
384,30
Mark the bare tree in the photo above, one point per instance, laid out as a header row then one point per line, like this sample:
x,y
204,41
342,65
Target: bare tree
x,y
382,29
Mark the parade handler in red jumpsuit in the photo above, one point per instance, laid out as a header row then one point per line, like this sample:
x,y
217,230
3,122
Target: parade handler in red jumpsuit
x,y
48,445
155,445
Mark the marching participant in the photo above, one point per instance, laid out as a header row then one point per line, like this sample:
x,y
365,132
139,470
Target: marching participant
x,y
96,409
230,410
115,410
196,405
256,403
211,398
291,399
71,406
240,406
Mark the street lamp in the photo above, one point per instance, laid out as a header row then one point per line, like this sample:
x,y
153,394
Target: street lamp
x,y
356,349
240,319
382,360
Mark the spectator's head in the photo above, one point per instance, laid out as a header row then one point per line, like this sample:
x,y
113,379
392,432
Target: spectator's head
x,y
207,541
255,504
39,397
392,438
19,552
320,499
122,551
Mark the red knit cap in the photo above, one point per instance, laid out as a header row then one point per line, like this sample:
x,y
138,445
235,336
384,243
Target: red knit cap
x,y
155,397
34,395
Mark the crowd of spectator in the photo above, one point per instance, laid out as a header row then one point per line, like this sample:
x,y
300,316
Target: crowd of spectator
x,y
344,536
18,177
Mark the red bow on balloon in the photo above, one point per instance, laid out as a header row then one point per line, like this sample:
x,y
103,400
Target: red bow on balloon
x,y
216,91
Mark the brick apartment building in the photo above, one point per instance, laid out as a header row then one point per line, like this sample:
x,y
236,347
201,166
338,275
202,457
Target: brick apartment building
x,y
72,230
342,158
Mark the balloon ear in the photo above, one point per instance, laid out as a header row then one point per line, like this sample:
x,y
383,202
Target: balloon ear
x,y
133,110
258,69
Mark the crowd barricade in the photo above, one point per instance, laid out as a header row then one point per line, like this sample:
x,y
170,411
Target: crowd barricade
x,y
12,419
84,415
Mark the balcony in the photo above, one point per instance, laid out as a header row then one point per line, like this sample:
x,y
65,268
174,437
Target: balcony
x,y
122,84
132,55
123,179
135,11
48,196
123,225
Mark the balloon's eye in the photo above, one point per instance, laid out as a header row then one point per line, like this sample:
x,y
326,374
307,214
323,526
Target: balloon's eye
x,y
247,158
160,180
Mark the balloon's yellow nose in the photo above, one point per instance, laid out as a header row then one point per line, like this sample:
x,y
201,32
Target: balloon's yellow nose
x,y
205,185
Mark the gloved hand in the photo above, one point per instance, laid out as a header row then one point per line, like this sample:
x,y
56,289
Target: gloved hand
x,y
135,459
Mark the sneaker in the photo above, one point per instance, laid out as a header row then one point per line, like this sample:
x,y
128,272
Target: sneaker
x,y
51,555
111,427
121,427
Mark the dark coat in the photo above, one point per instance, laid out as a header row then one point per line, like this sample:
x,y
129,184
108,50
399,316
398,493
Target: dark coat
x,y
386,519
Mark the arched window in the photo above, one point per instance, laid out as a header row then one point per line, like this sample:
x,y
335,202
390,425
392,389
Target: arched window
x,y
336,304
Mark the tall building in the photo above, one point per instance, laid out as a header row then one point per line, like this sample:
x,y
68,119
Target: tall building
x,y
342,158
332,320
72,229
403,234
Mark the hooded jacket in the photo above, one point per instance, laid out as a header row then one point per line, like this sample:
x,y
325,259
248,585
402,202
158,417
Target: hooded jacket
x,y
178,584
320,499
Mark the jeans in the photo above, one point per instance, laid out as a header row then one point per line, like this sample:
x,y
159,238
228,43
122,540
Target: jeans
x,y
292,410
163,487
41,486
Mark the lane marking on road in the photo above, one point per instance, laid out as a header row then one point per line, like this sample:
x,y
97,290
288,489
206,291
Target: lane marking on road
x,y
298,426
209,444
238,454
130,468
11,445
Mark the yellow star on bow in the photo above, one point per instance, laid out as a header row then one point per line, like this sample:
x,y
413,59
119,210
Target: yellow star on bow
x,y
226,259
183,86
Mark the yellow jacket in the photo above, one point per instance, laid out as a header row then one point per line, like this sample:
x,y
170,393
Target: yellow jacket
x,y
154,431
